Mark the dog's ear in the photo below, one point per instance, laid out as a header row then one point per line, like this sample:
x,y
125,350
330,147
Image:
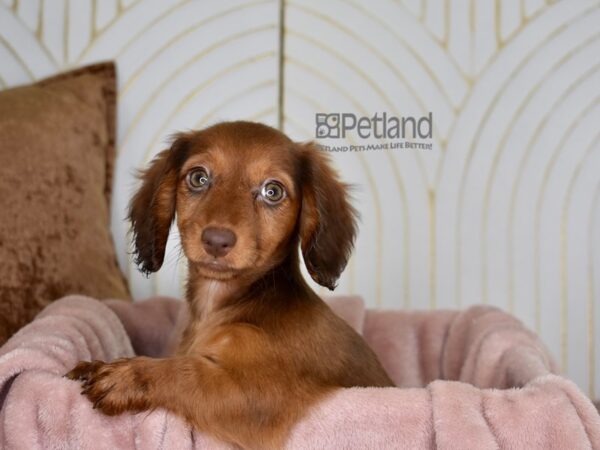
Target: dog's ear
x,y
152,208
327,219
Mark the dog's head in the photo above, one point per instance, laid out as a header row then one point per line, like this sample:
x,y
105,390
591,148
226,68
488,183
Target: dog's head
x,y
243,194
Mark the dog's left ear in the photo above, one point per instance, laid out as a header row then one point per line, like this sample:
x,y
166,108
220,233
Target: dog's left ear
x,y
327,219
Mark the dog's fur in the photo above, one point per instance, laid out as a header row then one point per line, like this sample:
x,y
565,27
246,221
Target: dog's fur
x,y
260,346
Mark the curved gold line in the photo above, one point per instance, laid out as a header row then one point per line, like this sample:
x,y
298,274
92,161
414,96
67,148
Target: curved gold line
x,y
538,209
592,299
262,113
479,128
38,34
133,77
520,174
563,257
498,150
178,70
492,61
415,53
370,178
512,34
404,43
538,213
98,32
538,220
281,41
469,76
18,58
420,16
251,89
371,83
199,88
498,24
121,10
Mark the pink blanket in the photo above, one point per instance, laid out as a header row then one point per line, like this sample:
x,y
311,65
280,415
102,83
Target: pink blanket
x,y
503,394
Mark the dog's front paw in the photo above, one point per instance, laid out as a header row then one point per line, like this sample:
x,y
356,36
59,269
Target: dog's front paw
x,y
83,370
113,387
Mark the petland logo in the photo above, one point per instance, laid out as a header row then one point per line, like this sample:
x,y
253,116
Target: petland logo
x,y
379,126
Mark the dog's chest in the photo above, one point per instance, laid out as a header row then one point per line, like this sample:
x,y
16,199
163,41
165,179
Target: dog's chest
x,y
208,297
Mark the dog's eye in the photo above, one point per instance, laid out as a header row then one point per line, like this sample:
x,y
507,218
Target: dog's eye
x,y
273,192
197,179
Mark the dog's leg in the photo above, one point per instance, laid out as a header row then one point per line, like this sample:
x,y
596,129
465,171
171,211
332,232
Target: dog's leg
x,y
195,389
140,383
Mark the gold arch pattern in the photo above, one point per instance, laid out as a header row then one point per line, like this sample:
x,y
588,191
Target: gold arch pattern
x,y
594,145
499,149
480,127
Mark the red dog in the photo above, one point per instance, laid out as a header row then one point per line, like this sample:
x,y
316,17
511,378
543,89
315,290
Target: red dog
x,y
260,346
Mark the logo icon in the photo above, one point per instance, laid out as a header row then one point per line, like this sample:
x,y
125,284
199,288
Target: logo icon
x,y
327,125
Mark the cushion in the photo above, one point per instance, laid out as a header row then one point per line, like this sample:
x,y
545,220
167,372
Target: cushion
x,y
474,379
57,150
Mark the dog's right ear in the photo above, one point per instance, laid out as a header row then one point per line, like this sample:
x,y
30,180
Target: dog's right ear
x,y
327,218
152,208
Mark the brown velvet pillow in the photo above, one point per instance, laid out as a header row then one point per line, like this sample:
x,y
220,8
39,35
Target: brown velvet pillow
x,y
57,149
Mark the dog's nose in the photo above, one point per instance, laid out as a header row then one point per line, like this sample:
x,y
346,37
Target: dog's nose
x,y
218,241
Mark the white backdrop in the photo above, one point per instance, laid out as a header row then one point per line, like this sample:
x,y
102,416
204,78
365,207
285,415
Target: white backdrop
x,y
504,210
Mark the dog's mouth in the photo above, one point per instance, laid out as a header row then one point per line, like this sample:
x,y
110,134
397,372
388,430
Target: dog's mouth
x,y
217,268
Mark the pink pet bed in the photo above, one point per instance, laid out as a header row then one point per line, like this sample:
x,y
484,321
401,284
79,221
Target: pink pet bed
x,y
471,379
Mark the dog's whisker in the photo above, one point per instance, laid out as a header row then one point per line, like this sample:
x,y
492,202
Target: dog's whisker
x,y
175,254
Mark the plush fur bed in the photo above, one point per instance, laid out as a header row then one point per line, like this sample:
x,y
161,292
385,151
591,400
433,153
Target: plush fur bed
x,y
466,379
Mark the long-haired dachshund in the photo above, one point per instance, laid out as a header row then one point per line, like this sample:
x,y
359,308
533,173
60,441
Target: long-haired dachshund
x,y
260,346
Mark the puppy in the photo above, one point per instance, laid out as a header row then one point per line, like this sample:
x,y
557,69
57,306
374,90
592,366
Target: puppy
x,y
260,347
